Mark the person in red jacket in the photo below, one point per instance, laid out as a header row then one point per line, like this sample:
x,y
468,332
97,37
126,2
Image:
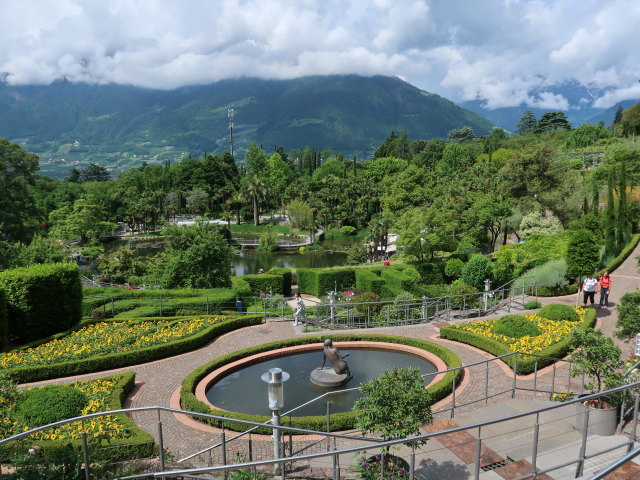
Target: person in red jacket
x,y
605,288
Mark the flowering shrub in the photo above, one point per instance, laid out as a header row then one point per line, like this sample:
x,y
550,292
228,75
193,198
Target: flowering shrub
x,y
552,331
105,338
368,468
105,427
563,397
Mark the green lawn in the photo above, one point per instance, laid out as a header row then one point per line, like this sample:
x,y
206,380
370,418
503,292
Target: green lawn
x,y
264,227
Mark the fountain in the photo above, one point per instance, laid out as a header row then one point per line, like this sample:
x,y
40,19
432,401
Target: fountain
x,y
237,386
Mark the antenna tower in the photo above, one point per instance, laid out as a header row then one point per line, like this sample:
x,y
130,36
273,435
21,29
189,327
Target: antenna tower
x,y
230,116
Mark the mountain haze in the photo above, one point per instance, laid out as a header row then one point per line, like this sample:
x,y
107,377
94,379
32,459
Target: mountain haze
x,y
120,126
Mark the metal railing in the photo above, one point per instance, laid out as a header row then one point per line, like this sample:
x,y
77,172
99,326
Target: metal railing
x,y
531,435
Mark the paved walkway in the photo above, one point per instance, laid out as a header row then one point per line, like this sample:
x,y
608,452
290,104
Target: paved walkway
x,y
158,381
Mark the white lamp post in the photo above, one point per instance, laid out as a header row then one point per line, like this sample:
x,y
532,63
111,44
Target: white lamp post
x,y
275,379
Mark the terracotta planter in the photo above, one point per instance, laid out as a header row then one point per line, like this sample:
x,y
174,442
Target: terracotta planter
x,y
602,421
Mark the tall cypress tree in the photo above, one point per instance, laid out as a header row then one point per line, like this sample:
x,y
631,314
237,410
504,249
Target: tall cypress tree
x,y
595,200
610,218
621,216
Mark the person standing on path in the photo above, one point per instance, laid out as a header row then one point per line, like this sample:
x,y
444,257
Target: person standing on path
x,y
299,313
589,289
605,288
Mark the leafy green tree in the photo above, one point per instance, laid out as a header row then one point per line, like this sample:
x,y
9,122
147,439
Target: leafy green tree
x,y
552,121
486,218
198,200
460,134
256,159
631,120
628,323
494,141
84,220
123,265
422,231
17,207
527,123
427,153
598,358
583,254
378,168
394,405
300,214
454,158
278,173
387,147
535,222
94,173
476,271
588,134
197,256
408,188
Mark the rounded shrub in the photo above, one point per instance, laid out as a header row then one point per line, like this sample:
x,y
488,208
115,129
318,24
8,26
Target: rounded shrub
x,y
366,301
453,268
559,312
476,271
348,230
53,403
515,326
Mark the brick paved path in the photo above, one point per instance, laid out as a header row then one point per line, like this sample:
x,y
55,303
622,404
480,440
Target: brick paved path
x,y
158,380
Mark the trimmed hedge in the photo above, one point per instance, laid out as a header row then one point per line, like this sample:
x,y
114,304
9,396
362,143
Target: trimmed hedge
x,y
524,364
264,282
622,256
287,278
552,291
559,312
515,326
139,444
109,302
42,299
431,273
116,360
339,421
319,281
369,280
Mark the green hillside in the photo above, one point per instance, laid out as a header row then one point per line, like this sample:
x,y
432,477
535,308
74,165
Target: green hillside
x,y
118,126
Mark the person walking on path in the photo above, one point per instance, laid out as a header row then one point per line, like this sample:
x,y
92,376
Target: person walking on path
x,y
299,314
605,288
589,289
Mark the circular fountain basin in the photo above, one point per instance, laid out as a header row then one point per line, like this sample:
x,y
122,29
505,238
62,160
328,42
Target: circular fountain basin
x,y
237,386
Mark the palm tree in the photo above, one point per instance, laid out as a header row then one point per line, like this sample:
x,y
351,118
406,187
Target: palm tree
x,y
255,190
235,202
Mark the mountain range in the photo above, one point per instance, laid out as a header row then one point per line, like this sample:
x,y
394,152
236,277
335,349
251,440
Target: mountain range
x,y
73,124
579,99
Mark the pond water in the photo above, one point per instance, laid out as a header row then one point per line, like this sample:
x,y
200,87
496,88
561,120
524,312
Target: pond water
x,y
250,261
243,391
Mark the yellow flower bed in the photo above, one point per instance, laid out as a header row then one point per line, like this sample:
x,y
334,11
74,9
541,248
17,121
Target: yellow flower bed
x,y
105,427
105,338
552,332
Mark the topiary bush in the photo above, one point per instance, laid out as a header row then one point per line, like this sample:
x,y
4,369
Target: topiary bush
x,y
476,271
515,326
42,299
453,268
557,312
49,404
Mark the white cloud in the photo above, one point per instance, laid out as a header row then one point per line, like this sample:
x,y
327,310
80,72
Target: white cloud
x,y
498,51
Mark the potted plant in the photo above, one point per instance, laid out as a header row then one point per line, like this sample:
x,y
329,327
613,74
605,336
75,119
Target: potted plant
x,y
598,358
395,405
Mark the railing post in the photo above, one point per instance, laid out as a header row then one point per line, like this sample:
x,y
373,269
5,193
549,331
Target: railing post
x,y
328,426
223,445
535,378
478,452
290,437
85,455
250,448
486,383
534,454
553,381
583,445
336,468
412,462
453,397
634,427
160,443
515,375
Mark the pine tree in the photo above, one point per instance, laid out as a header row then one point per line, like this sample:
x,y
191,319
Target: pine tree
x,y
595,201
618,118
622,206
610,218
527,123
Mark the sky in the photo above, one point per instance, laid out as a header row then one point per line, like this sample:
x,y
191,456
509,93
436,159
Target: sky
x,y
502,52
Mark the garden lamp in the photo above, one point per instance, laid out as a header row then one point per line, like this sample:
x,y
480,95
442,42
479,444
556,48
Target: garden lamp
x,y
275,379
